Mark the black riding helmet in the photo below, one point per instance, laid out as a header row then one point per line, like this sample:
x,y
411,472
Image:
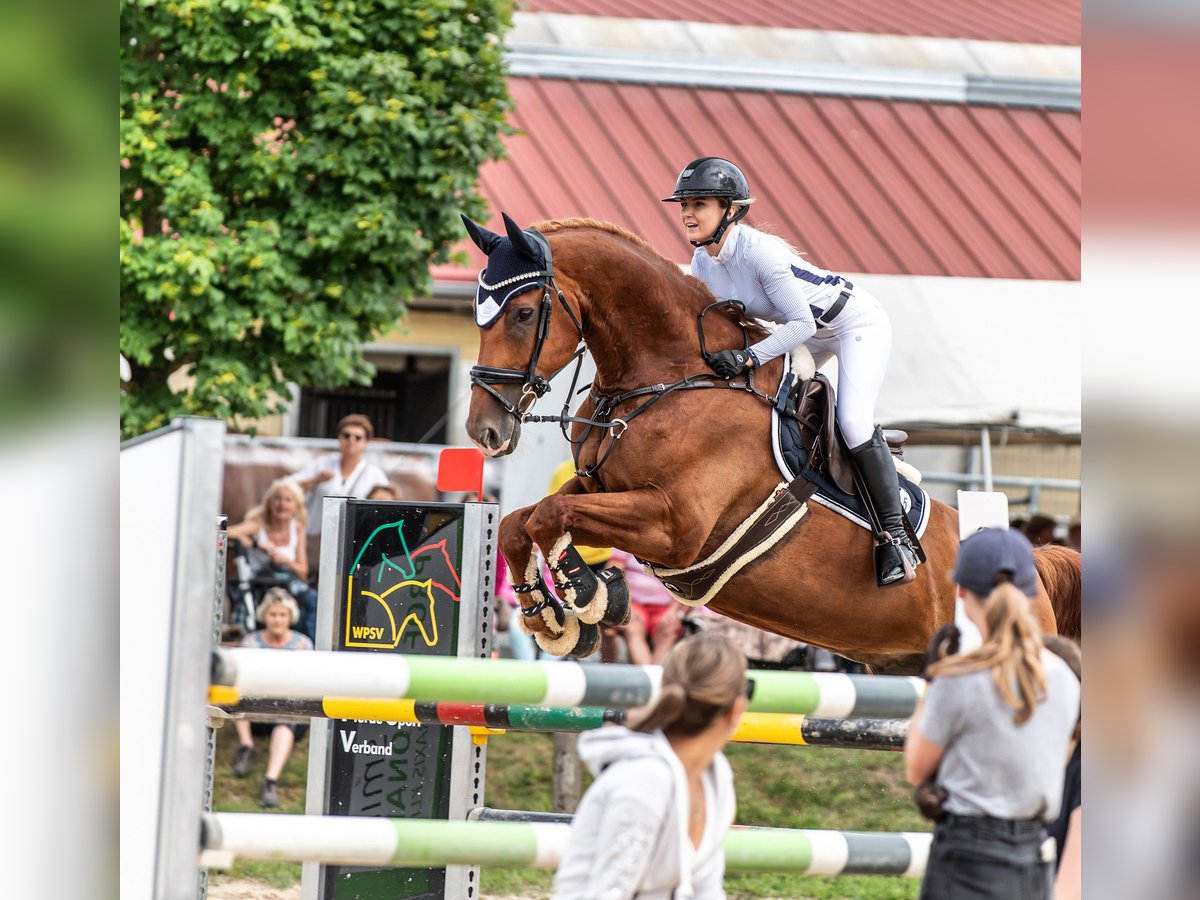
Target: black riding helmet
x,y
712,176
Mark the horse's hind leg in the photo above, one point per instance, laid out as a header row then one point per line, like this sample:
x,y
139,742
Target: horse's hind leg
x,y
542,616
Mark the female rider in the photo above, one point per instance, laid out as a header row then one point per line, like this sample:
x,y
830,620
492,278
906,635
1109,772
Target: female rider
x,y
814,307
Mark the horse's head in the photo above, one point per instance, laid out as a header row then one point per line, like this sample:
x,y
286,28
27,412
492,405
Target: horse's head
x,y
521,343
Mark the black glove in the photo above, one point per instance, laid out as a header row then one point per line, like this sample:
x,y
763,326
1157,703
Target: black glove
x,y
728,363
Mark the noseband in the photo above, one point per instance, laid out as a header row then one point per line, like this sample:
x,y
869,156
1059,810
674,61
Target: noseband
x,y
534,386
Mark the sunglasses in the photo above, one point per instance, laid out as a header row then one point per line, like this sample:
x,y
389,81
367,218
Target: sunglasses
x,y
749,690
351,436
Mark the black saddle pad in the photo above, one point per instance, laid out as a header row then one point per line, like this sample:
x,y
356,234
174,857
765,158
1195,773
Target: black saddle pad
x,y
913,498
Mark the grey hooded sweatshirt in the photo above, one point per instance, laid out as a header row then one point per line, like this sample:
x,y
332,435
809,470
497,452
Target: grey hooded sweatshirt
x,y
629,836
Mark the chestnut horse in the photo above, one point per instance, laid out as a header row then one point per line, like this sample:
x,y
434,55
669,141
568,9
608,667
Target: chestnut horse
x,y
688,470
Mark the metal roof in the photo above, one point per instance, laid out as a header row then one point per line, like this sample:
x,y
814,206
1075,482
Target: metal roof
x,y
1021,21
858,185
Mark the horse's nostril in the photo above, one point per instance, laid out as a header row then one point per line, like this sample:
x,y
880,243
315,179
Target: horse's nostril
x,y
490,438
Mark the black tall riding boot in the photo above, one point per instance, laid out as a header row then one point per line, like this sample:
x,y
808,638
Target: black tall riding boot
x,y
895,558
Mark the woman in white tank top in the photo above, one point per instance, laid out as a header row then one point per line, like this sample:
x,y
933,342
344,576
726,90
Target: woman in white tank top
x,y
276,526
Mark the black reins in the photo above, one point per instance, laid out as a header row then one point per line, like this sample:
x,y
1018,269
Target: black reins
x,y
534,386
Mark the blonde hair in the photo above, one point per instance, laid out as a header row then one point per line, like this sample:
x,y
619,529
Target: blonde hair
x,y
765,231
1012,650
262,512
277,596
702,678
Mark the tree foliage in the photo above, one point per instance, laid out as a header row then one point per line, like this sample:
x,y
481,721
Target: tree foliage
x,y
289,172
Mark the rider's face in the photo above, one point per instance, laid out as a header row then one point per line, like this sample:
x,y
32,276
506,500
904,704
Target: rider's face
x,y
700,216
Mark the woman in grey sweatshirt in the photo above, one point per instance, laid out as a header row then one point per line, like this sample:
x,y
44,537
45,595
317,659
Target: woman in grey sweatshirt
x,y
653,823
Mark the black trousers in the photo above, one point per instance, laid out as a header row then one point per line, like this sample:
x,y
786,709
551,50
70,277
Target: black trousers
x,y
984,858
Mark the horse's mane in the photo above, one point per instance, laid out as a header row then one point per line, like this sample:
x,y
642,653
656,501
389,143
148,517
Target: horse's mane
x,y
553,225
698,289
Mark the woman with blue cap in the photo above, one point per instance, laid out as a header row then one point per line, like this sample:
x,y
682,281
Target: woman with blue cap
x,y
993,732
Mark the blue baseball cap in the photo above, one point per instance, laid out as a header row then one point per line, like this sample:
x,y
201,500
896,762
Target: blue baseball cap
x,y
991,551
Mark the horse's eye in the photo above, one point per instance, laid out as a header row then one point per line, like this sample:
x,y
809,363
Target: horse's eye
x,y
524,314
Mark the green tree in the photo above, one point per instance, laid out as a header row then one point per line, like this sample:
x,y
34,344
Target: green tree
x,y
289,172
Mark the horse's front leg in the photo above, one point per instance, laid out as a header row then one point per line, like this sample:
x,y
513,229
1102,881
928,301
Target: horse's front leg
x,y
541,614
640,521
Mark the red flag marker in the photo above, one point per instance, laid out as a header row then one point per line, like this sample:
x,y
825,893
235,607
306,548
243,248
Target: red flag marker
x,y
461,469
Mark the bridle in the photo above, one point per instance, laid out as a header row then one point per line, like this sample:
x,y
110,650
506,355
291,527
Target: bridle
x,y
533,385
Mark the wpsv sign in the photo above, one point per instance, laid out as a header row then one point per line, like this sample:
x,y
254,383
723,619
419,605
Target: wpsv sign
x,y
400,597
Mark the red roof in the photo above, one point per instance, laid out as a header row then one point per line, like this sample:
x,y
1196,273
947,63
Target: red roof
x,y
869,186
1020,21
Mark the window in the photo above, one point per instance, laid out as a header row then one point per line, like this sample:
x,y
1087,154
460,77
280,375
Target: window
x,y
407,401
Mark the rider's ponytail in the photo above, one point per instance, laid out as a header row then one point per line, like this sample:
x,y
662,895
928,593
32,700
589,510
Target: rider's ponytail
x,y
1012,650
702,678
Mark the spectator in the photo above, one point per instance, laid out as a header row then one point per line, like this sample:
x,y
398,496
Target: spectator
x,y
1040,530
508,608
276,526
655,620
1075,535
341,474
993,731
278,612
1067,828
653,822
387,491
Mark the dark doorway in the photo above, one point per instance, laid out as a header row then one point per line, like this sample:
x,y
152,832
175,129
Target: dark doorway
x,y
406,402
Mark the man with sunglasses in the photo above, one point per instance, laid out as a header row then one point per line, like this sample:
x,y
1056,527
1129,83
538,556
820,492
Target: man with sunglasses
x,y
342,474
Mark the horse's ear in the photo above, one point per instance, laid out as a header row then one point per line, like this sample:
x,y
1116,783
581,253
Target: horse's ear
x,y
523,243
485,240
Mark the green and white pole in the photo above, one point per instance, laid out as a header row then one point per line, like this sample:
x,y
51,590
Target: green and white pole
x,y
421,843
265,673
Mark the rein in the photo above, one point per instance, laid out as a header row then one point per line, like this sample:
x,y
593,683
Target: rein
x,y
605,405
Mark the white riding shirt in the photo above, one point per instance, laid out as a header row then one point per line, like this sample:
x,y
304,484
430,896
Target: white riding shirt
x,y
780,286
775,284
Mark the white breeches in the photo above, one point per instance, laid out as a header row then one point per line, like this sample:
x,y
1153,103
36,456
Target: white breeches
x,y
862,344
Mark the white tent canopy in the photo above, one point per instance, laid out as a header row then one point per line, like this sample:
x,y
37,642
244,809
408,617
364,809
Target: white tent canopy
x,y
973,352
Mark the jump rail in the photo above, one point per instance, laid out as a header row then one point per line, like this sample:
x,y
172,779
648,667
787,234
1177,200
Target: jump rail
x,y
320,674
755,728
493,840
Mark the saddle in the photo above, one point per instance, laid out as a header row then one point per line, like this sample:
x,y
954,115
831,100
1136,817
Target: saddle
x,y
813,404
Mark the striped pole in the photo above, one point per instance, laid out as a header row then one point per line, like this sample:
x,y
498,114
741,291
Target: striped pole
x,y
786,849
755,728
312,676
421,843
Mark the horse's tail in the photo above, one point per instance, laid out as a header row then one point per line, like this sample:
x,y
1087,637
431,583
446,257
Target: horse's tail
x,y
1061,572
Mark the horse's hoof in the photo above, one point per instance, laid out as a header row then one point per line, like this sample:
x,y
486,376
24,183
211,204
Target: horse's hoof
x,y
616,589
565,641
588,643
